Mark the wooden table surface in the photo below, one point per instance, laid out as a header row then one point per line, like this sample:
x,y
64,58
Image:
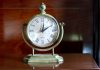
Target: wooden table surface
x,y
71,61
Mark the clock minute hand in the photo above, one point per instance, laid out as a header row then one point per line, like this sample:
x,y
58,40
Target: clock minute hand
x,y
42,27
46,28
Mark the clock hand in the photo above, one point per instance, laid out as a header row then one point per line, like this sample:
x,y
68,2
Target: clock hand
x,y
42,27
46,28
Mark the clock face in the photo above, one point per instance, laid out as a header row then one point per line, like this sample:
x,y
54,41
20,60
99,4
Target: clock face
x,y
43,31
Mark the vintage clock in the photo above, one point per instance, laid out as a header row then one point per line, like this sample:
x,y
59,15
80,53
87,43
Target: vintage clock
x,y
43,33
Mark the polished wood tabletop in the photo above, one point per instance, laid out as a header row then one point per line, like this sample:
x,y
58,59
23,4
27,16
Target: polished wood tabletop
x,y
71,61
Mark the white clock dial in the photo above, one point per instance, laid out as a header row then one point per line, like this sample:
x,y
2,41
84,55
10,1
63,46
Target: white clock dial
x,y
43,31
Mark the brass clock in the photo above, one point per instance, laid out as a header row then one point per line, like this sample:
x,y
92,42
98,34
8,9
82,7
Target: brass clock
x,y
43,33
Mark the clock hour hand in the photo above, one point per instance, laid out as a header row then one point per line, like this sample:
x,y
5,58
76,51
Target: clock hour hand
x,y
46,28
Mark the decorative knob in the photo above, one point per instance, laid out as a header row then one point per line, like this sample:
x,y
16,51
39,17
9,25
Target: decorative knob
x,y
42,8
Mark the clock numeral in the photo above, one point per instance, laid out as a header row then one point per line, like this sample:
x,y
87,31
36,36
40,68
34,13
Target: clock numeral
x,y
48,20
37,21
32,25
52,36
42,20
31,30
54,29
42,41
48,40
37,40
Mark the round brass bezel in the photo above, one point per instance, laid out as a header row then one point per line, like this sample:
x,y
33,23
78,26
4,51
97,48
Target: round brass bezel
x,y
29,42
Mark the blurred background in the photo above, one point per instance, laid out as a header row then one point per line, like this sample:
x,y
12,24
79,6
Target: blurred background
x,y
81,30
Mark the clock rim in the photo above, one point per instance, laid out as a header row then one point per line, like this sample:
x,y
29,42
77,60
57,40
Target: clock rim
x,y
31,44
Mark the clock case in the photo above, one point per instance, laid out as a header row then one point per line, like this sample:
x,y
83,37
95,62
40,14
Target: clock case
x,y
36,59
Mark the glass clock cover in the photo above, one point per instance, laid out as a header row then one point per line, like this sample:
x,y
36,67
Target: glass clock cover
x,y
43,30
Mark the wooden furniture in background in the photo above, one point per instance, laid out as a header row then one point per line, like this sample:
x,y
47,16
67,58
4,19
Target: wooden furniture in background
x,y
13,13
